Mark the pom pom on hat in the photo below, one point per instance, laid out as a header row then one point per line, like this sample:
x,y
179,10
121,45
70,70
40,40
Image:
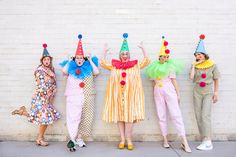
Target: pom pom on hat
x,y
202,36
125,35
80,36
45,45
163,37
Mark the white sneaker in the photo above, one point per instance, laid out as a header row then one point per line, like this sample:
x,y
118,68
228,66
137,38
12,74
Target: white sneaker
x,y
205,145
80,143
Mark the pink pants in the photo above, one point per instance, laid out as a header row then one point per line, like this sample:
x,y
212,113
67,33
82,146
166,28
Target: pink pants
x,y
74,105
166,99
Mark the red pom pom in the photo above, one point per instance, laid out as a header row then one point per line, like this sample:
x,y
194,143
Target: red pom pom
x,y
122,82
202,84
45,45
203,75
82,84
165,43
167,51
202,36
123,74
78,72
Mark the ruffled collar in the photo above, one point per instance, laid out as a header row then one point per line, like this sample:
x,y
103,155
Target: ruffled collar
x,y
206,64
157,70
124,65
80,72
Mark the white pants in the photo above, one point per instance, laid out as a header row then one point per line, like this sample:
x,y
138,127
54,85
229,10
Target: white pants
x,y
74,105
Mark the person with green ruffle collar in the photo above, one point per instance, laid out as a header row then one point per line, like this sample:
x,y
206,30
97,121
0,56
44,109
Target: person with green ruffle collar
x,y
166,93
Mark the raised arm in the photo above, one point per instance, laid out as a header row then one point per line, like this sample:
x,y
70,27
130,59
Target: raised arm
x,y
146,60
103,63
95,68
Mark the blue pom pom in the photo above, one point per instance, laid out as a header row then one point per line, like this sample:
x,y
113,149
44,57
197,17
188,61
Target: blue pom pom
x,y
163,37
80,36
125,35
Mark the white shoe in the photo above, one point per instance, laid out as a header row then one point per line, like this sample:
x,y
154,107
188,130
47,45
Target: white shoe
x,y
205,145
80,143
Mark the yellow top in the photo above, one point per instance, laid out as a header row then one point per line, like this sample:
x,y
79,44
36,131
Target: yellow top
x,y
124,102
206,64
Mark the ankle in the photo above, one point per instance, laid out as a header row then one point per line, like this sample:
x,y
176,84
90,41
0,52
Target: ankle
x,y
129,140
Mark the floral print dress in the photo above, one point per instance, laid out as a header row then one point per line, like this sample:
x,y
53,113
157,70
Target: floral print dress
x,y
42,111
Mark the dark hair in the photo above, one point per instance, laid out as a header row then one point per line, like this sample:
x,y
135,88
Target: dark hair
x,y
50,66
85,58
161,55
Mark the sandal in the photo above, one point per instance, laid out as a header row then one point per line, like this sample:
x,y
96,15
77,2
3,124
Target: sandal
x,y
20,111
41,142
186,149
166,145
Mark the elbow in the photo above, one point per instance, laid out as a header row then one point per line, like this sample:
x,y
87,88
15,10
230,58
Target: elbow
x,y
97,72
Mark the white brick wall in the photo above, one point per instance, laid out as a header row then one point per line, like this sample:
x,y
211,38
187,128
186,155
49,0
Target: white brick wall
x,y
26,24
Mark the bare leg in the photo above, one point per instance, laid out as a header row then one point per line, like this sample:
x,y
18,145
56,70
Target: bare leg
x,y
21,111
165,142
185,145
40,140
128,134
121,126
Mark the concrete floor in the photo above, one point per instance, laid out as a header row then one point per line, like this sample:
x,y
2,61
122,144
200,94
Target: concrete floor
x,y
109,149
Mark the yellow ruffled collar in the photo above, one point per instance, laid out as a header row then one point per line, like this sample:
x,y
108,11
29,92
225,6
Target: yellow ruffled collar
x,y
206,64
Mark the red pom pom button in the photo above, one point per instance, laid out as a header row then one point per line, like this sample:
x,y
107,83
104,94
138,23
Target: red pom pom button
x,y
203,75
202,36
167,51
202,84
77,72
45,45
82,84
123,74
165,43
122,82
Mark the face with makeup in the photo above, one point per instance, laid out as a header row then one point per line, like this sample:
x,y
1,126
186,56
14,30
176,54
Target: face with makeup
x,y
46,61
200,56
163,58
79,59
124,56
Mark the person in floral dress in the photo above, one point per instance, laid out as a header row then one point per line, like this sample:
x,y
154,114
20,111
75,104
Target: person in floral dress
x,y
42,111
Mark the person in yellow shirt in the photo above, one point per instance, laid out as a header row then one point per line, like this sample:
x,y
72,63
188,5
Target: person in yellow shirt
x,y
124,101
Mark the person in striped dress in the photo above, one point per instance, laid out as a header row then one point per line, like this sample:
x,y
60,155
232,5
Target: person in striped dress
x,y
124,101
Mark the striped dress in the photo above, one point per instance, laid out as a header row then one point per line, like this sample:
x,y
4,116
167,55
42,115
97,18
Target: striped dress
x,y
124,99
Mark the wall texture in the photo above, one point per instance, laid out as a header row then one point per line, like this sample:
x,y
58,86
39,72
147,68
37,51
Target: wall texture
x,y
26,24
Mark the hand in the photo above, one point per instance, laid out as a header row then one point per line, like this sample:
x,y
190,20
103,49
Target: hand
x,y
89,57
178,97
197,62
215,98
70,57
106,49
141,45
